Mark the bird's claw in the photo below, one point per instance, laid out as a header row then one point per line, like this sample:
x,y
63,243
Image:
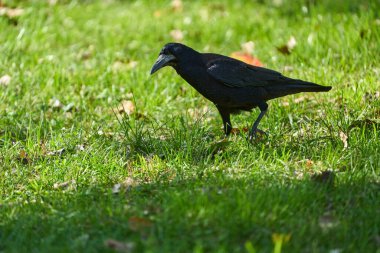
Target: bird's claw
x,y
256,135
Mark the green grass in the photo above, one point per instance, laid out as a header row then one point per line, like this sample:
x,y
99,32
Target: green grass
x,y
182,187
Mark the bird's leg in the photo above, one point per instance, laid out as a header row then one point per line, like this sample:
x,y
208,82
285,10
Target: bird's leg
x,y
225,113
263,109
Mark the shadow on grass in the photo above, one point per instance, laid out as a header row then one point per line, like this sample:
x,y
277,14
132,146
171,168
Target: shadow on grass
x,y
208,215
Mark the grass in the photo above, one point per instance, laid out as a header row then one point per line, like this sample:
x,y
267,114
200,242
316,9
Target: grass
x,y
77,176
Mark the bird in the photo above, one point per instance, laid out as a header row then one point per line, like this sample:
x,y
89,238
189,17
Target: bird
x,y
232,85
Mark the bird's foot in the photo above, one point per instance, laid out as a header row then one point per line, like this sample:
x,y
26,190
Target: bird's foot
x,y
256,135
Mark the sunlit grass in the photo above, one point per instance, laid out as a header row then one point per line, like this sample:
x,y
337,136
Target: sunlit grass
x,y
76,173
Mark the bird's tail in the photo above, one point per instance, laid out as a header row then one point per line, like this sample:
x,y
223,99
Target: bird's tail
x,y
302,86
295,86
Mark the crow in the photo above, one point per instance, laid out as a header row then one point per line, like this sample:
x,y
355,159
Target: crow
x,y
232,85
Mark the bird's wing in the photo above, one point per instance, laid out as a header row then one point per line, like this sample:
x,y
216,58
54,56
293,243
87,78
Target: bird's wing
x,y
235,73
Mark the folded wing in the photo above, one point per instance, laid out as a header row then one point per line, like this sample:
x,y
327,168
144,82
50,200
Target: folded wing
x,y
235,73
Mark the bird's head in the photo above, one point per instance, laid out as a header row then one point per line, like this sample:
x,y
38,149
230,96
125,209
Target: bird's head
x,y
169,56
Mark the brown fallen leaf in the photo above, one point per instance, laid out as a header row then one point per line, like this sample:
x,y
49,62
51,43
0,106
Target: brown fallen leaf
x,y
24,157
309,163
139,224
119,246
176,5
299,100
126,106
285,103
248,47
343,137
177,35
11,12
235,131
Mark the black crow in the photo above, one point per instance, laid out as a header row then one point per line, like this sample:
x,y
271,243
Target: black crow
x,y
232,85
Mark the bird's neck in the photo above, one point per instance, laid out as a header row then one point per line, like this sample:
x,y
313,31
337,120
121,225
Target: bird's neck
x,y
195,74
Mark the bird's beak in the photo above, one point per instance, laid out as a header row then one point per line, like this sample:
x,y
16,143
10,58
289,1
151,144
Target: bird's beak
x,y
162,61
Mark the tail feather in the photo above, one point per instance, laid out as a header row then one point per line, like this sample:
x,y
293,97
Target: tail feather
x,y
295,86
303,86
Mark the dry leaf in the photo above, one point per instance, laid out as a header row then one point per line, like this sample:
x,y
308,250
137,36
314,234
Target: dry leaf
x,y
138,224
125,185
287,49
177,5
126,106
235,131
285,103
119,246
177,35
248,47
291,43
309,163
10,12
5,80
299,100
247,58
80,147
23,157
288,68
71,184
344,139
198,112
55,103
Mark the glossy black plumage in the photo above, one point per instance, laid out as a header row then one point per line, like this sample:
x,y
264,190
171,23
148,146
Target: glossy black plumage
x,y
230,84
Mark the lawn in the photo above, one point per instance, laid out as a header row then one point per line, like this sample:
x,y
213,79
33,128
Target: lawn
x,y
96,155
